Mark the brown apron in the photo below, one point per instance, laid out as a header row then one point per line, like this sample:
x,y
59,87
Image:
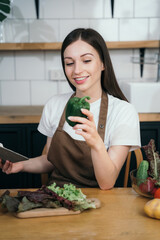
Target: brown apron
x,y
72,158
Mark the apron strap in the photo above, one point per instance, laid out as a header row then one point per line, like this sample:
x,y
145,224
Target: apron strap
x,y
63,118
102,115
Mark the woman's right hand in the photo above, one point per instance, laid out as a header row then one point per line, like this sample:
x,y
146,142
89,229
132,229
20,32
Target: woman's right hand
x,y
9,167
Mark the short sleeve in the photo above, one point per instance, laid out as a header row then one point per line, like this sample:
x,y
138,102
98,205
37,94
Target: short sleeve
x,y
45,127
51,114
124,127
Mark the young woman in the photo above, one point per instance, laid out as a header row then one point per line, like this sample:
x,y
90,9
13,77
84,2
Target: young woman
x,y
92,153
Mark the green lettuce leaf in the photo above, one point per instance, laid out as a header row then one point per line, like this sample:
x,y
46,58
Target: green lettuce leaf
x,y
70,192
11,203
25,205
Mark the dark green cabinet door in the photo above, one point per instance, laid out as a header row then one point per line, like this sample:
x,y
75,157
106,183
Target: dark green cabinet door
x,y
150,130
35,141
34,144
24,139
13,137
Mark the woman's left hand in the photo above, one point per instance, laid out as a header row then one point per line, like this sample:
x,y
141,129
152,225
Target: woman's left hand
x,y
86,128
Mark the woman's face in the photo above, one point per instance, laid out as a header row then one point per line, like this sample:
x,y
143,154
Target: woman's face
x,y
83,68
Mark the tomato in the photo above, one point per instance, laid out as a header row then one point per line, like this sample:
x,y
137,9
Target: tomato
x,y
157,193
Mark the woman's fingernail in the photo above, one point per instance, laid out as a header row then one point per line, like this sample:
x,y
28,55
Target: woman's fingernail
x,y
69,118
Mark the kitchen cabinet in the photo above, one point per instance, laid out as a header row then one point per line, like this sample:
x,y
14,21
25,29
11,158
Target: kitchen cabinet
x,y
24,139
150,130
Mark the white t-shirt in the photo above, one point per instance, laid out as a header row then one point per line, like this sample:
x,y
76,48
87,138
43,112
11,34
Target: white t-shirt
x,y
122,121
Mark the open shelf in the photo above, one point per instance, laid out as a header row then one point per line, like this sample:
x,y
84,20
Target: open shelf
x,y
57,45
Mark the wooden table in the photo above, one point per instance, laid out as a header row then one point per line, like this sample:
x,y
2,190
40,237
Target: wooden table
x,y
121,216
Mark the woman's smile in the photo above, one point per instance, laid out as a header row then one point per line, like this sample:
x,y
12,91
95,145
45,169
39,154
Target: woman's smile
x,y
81,80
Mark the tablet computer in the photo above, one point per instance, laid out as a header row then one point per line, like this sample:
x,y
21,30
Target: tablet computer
x,y
7,154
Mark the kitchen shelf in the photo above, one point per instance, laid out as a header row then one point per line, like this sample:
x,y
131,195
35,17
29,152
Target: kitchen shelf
x,y
20,114
57,45
32,114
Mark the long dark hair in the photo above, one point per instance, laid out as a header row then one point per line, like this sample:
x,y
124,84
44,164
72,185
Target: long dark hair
x,y
108,80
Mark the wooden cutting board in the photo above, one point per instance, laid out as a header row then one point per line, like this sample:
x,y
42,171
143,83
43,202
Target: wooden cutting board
x,y
45,212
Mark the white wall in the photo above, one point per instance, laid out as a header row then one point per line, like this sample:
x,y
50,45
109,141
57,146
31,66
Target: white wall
x,y
25,76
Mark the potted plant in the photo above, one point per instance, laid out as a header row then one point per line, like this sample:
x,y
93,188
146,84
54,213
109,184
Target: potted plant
x,y
5,8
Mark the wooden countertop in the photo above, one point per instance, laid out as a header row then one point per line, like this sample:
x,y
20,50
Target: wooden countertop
x,y
32,114
20,114
121,216
149,117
